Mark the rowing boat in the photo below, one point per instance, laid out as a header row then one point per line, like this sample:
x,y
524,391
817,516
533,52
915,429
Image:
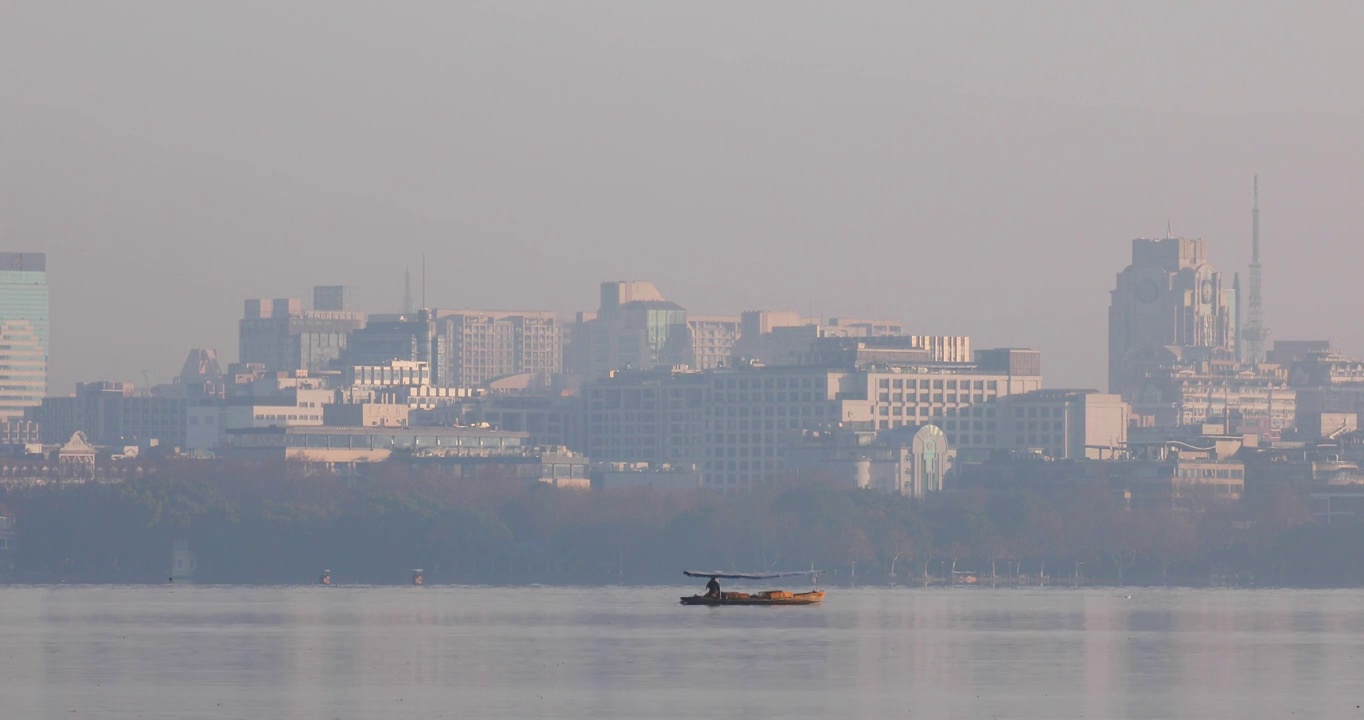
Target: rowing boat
x,y
769,597
713,596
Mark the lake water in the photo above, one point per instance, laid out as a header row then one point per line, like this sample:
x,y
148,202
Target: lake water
x,y
477,652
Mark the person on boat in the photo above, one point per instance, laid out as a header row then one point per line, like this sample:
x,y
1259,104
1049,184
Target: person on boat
x,y
713,588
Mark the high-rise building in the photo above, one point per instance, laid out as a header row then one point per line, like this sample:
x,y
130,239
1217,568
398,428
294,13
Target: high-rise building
x,y
284,337
713,339
333,297
23,369
407,337
23,296
634,328
482,345
1170,307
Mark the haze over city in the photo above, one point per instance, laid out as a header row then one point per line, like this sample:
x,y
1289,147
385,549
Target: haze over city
x,y
496,358
968,169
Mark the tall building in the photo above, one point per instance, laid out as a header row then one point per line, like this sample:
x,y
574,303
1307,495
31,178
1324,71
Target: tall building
x,y
1254,333
284,337
24,296
713,339
634,328
482,345
23,369
407,337
333,297
1170,307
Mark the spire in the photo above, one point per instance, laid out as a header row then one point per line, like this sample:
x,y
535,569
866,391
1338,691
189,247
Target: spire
x,y
1254,332
407,291
1169,230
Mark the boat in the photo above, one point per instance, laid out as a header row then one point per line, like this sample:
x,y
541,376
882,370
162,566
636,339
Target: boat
x,y
765,597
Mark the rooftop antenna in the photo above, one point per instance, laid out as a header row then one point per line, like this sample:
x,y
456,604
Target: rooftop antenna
x,y
407,291
424,281
1169,230
1254,331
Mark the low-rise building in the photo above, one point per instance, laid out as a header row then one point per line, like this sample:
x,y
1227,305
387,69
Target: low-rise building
x,y
1064,424
909,461
460,452
616,476
111,413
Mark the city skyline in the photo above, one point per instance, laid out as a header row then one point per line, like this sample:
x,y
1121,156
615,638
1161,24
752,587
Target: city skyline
x,y
881,171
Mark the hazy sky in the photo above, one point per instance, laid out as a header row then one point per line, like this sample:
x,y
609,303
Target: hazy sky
x,y
970,168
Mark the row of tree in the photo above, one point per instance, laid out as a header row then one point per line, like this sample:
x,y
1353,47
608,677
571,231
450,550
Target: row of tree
x,y
248,524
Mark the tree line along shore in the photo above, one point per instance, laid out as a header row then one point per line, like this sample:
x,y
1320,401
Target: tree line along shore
x,y
281,524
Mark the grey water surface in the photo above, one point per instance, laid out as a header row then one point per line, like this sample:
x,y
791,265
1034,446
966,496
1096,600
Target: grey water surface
x,y
632,652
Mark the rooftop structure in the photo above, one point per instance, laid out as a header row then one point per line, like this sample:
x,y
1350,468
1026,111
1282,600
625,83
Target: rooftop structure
x,y
1169,304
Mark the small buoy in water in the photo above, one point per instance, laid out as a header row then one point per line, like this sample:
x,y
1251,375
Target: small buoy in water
x,y
418,578
326,578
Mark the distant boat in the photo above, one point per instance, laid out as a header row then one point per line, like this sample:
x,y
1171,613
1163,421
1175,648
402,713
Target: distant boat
x,y
714,596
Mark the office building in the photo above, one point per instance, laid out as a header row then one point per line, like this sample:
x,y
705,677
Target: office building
x,y
909,461
24,296
283,337
23,369
1170,307
483,345
634,328
333,298
1064,424
111,413
738,423
713,338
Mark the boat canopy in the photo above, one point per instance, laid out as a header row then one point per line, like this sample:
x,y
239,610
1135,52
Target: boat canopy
x,y
747,576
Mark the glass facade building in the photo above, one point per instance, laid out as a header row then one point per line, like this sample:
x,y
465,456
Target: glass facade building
x,y
24,297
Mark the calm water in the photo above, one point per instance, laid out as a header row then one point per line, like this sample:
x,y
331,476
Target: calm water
x,y
471,652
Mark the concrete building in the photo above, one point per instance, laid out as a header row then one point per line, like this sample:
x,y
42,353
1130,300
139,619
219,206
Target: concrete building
x,y
24,297
909,461
1286,352
483,345
110,413
334,298
283,337
1170,306
1253,399
618,476
23,369
862,327
396,337
388,374
1330,392
257,402
653,417
457,452
365,415
713,338
1177,468
9,539
1064,424
634,328
789,340
738,423
547,420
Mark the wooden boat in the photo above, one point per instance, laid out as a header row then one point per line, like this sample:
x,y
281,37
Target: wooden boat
x,y
769,597
765,597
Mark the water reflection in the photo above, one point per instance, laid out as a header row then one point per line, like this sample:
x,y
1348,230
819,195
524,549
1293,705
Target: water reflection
x,y
633,652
